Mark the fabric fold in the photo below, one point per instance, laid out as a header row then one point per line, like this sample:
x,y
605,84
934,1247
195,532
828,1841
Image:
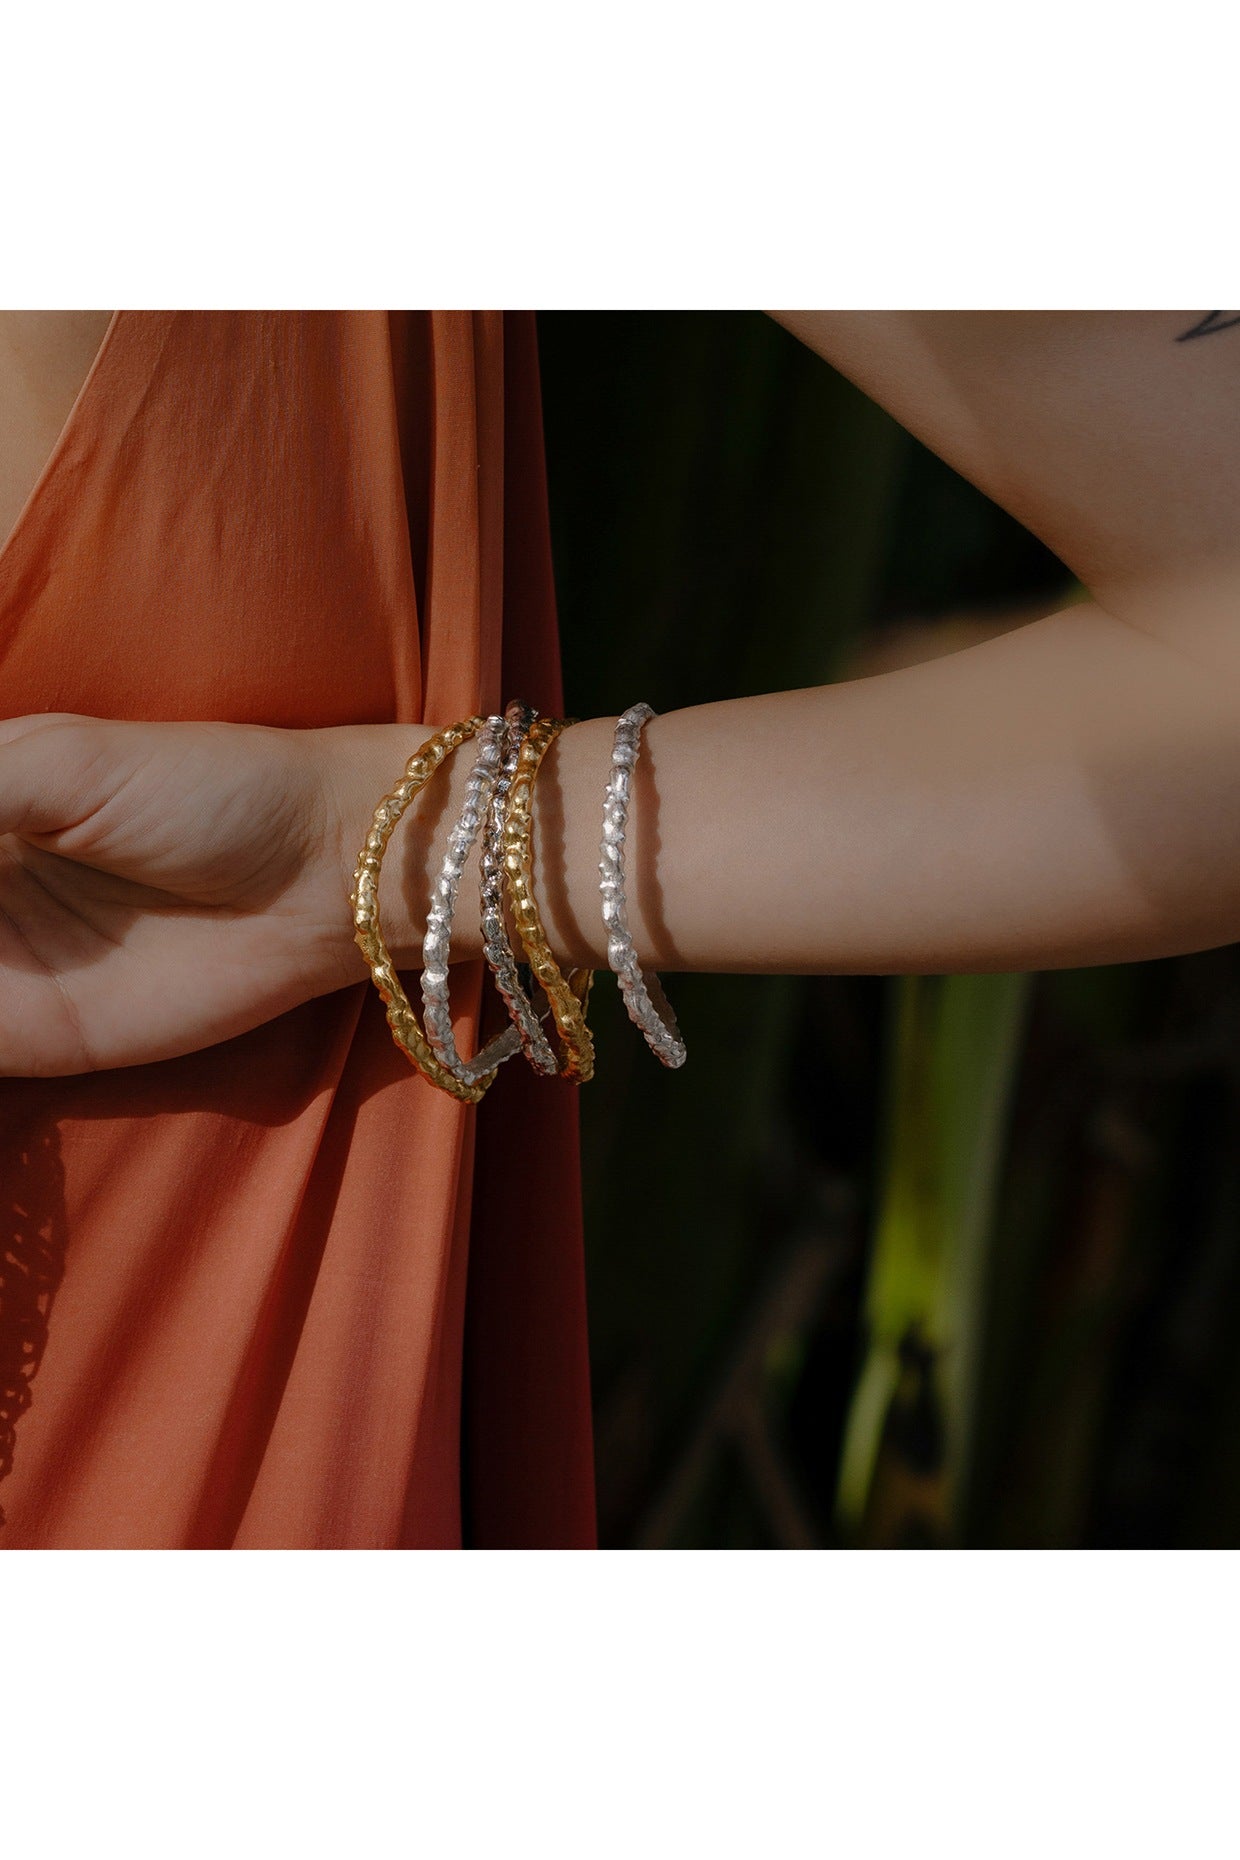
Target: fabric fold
x,y
237,1286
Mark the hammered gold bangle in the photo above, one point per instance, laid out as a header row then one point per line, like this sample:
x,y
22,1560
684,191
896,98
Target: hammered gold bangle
x,y
567,997
364,899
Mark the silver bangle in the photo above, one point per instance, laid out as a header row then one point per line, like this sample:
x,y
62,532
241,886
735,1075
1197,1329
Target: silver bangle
x,y
495,944
436,1011
647,1005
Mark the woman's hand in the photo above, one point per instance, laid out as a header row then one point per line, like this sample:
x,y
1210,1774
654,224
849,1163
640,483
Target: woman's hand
x,y
164,886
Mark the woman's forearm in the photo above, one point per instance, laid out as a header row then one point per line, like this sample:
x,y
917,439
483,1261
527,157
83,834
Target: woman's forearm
x,y
1066,794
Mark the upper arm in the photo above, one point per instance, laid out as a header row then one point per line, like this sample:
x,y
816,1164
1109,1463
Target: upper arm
x,y
1113,435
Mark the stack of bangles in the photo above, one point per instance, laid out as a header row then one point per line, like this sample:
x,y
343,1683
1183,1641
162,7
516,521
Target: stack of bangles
x,y
499,803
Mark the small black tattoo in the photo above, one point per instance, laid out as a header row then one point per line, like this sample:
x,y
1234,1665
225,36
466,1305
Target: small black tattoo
x,y
1211,323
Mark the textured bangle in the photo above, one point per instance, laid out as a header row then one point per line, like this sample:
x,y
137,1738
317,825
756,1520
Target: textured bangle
x,y
567,997
497,949
647,1005
436,1010
365,901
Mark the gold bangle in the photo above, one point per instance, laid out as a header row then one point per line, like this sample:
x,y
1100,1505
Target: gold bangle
x,y
365,901
567,997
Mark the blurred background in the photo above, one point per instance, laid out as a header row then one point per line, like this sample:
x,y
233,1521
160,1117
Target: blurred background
x,y
923,1261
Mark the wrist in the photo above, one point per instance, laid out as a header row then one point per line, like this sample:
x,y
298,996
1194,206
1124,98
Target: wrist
x,y
566,828
360,764
567,836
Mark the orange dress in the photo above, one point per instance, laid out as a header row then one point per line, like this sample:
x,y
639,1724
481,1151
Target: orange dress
x,y
282,1293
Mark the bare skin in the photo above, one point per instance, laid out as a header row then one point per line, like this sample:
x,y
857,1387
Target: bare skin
x,y
45,356
1067,793
1106,433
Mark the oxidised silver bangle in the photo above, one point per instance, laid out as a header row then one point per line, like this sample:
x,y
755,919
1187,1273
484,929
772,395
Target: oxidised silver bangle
x,y
437,1014
647,1005
496,946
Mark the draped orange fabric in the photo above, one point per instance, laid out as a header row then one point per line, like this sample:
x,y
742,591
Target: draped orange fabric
x,y
282,1293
